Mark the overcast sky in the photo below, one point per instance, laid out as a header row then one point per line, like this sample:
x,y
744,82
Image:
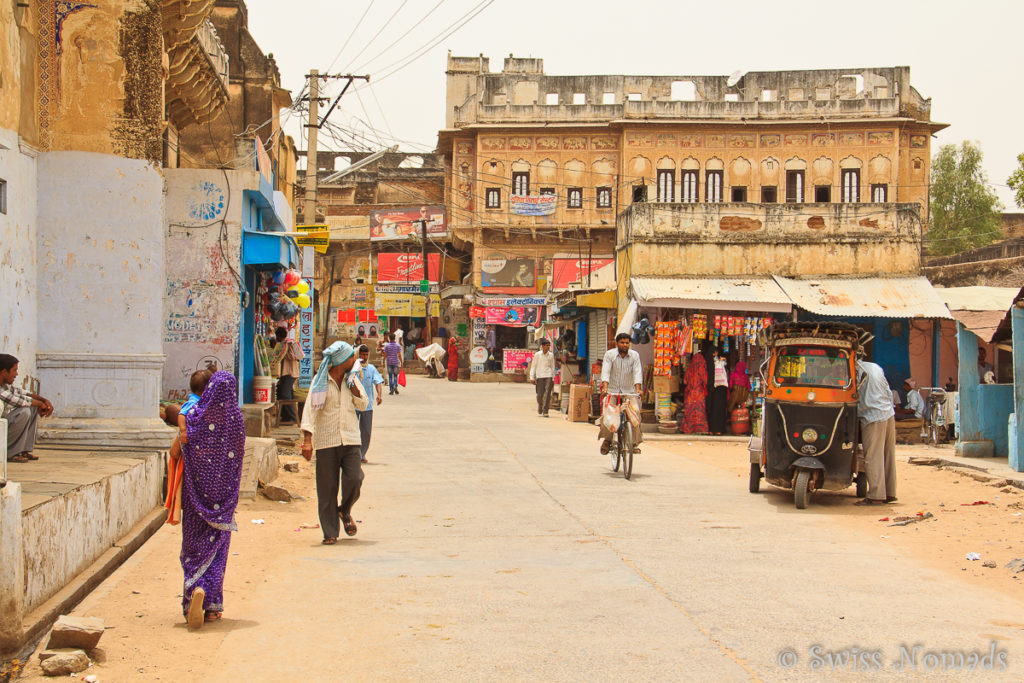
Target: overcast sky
x,y
965,56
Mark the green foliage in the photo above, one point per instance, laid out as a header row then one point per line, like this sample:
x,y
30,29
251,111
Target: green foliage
x,y
1016,181
964,209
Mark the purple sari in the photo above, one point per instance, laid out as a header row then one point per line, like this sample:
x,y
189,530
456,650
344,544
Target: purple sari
x,y
209,489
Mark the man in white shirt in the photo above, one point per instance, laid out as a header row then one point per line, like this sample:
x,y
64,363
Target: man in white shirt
x,y
914,407
621,373
330,426
878,433
542,374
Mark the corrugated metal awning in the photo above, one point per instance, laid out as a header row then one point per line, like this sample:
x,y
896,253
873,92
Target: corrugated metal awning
x,y
874,297
712,293
978,298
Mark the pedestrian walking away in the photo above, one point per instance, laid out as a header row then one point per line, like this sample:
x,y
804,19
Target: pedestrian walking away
x,y
22,409
393,360
542,374
621,373
878,433
212,457
371,380
330,427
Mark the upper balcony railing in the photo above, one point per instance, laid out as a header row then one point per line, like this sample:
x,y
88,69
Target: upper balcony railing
x,y
206,35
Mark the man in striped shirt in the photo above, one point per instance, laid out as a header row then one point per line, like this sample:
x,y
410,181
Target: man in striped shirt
x,y
21,408
621,373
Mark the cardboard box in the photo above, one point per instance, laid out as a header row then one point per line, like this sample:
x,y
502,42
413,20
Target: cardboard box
x,y
666,384
579,403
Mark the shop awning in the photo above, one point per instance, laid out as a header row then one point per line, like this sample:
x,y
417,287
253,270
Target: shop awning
x,y
599,300
872,297
268,251
980,309
712,293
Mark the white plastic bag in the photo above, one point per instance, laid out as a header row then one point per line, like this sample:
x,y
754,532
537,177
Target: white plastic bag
x,y
610,417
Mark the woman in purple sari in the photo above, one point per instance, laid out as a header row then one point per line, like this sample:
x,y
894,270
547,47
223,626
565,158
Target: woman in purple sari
x,y
209,495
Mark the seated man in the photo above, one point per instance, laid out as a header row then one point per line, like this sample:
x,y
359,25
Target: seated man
x,y
21,409
914,407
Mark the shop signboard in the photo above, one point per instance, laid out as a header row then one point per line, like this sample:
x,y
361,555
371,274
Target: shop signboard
x,y
399,267
513,359
319,240
306,340
511,301
402,289
401,223
512,316
567,272
515,274
477,311
478,355
534,204
357,295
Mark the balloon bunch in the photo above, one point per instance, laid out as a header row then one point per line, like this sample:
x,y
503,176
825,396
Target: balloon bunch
x,y
287,295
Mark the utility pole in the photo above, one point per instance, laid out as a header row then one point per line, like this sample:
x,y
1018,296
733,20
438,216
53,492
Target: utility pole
x,y
309,206
428,336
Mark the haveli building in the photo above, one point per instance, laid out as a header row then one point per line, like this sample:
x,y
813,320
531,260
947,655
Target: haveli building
x,y
821,172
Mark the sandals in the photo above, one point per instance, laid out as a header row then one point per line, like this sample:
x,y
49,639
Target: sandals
x,y
350,525
329,541
30,455
213,616
870,501
196,614
606,447
20,457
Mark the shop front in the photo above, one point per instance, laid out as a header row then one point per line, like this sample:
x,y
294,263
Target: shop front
x,y
511,320
697,339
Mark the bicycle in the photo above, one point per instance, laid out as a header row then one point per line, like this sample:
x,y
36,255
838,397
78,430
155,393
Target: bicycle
x,y
623,445
933,429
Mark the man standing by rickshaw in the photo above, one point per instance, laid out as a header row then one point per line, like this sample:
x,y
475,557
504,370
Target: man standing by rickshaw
x,y
878,433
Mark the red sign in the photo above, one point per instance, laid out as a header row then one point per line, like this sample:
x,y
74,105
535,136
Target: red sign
x,y
566,271
406,268
476,311
512,316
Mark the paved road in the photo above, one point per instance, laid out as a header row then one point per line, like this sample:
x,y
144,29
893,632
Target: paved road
x,y
496,545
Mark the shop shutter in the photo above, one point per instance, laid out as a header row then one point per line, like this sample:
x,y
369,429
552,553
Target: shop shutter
x,y
597,334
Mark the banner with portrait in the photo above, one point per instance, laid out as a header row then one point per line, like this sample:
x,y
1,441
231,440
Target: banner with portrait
x,y
401,223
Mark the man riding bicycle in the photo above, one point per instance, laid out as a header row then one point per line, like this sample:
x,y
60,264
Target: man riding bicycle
x,y
621,373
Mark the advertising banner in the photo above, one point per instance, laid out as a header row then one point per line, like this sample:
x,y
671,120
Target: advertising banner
x,y
566,272
477,311
512,274
512,316
306,340
319,240
401,223
402,289
534,204
513,359
397,267
512,301
407,305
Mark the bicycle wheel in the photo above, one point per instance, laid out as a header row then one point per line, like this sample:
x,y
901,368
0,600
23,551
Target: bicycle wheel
x,y
627,450
616,441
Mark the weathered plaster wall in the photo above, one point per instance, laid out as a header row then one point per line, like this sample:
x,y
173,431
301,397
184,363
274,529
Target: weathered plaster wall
x,y
201,304
18,255
100,285
65,534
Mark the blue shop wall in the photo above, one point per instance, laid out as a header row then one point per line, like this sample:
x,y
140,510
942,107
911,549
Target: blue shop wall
x,y
995,403
247,353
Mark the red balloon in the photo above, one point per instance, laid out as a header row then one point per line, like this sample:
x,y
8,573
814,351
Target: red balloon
x,y
291,277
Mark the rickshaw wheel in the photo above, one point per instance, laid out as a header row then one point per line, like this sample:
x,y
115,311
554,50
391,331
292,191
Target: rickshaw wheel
x,y
802,491
755,477
862,484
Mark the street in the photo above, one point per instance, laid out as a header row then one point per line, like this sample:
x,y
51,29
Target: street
x,y
496,545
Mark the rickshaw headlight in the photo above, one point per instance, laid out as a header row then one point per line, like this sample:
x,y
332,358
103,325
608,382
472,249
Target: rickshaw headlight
x,y
809,435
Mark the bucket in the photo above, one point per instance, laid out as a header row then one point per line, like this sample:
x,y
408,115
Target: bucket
x,y
740,420
262,388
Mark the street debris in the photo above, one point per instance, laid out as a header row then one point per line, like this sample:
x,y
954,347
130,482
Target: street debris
x,y
65,662
973,556
258,521
1015,565
990,564
904,520
75,632
278,493
915,460
291,467
977,502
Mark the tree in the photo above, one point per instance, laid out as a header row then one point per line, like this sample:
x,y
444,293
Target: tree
x,y
964,209
1016,181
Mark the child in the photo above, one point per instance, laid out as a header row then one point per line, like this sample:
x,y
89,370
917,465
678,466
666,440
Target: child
x,y
176,465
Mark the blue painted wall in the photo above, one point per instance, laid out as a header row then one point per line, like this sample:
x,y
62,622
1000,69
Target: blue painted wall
x,y
891,351
995,403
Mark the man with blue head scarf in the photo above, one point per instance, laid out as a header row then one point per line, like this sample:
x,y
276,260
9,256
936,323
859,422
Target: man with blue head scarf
x,y
330,426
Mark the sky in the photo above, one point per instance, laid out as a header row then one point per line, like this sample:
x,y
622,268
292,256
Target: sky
x,y
965,56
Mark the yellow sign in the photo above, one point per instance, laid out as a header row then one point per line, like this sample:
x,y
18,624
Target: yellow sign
x,y
319,240
313,227
408,305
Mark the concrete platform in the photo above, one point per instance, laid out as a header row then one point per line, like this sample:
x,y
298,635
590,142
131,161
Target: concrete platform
x,y
66,521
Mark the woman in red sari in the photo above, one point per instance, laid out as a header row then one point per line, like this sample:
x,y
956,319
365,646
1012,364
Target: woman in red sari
x,y
453,360
695,416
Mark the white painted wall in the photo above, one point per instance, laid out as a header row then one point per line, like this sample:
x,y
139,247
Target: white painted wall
x,y
202,303
18,255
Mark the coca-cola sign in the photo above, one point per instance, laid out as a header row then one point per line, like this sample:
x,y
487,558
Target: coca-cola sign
x,y
398,267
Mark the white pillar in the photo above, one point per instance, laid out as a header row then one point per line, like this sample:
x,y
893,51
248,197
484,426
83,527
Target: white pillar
x,y
12,565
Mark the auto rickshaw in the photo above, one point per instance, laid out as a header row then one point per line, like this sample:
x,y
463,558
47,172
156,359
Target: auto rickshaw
x,y
808,439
